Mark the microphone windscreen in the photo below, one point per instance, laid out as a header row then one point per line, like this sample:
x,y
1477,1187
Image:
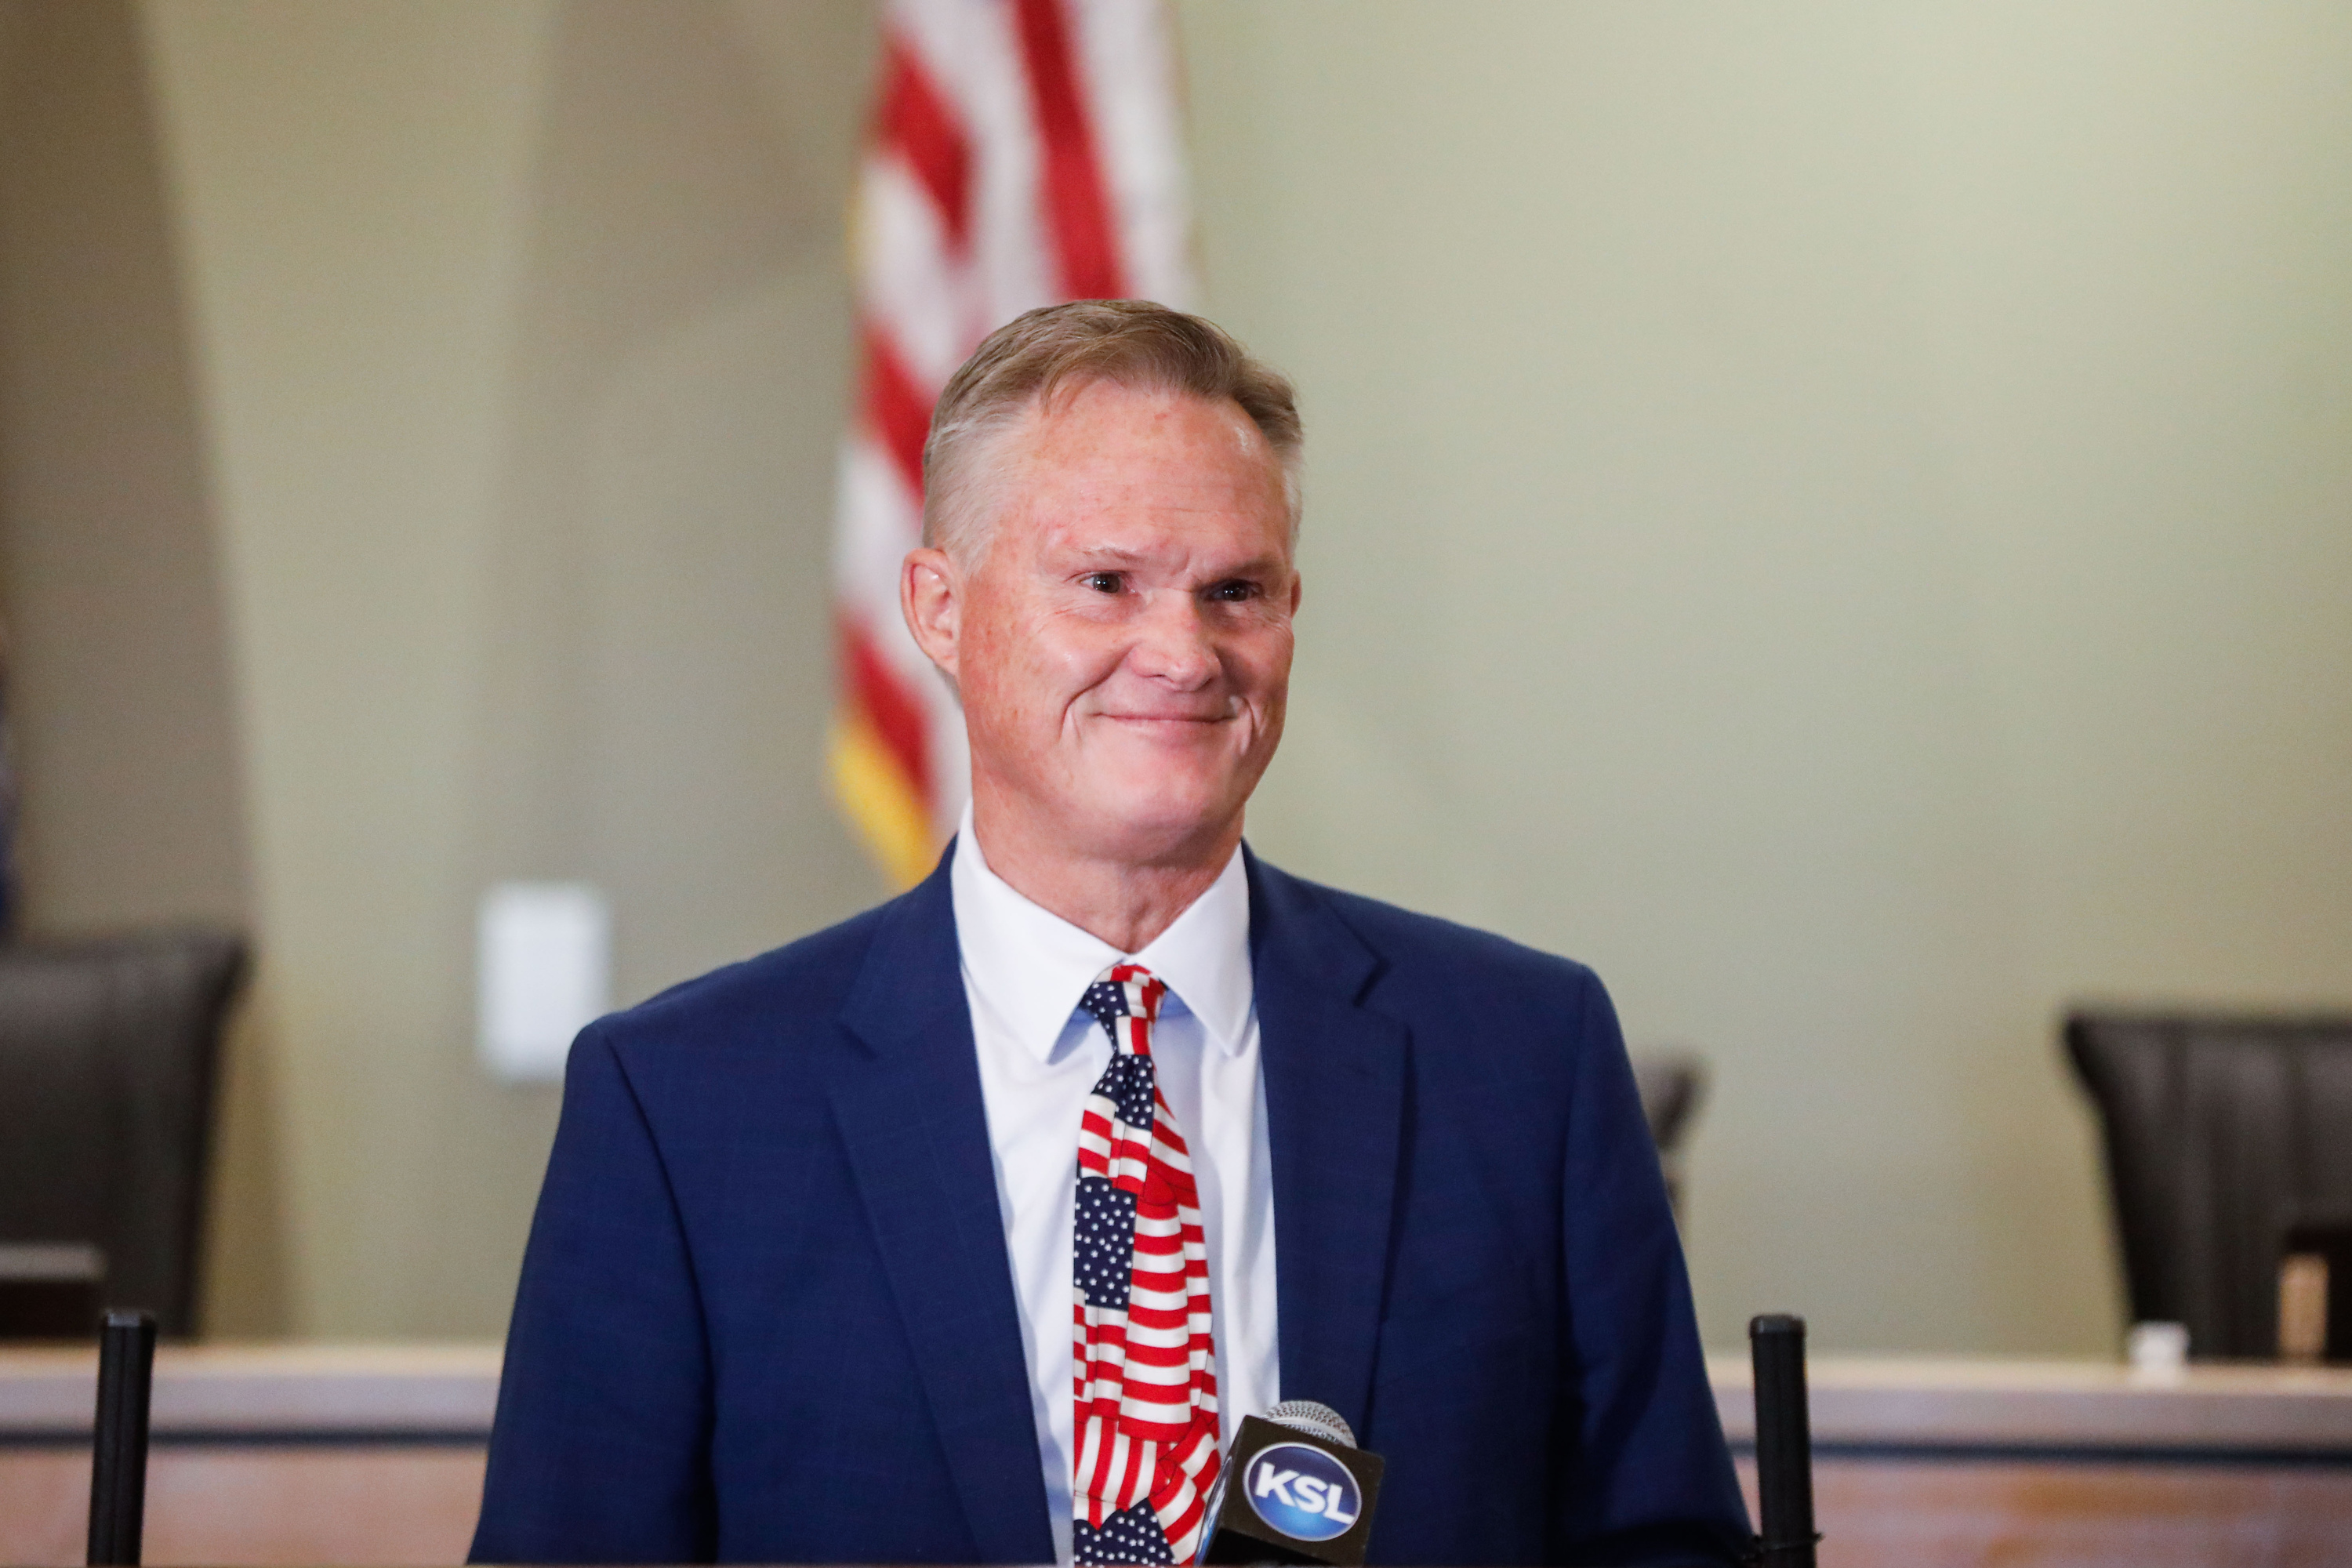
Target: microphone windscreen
x,y
1306,1416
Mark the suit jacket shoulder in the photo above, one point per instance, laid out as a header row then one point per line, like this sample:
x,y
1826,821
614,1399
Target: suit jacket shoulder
x,y
1428,951
1510,1008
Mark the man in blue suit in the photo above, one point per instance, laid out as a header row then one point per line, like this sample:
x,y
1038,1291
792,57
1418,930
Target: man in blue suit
x,y
800,1285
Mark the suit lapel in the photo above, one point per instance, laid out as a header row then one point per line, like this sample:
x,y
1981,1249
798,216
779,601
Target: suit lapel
x,y
1335,1090
907,1101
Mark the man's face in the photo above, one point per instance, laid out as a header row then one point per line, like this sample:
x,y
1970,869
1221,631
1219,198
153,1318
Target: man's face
x,y
1122,643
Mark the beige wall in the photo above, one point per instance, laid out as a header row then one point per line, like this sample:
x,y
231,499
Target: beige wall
x,y
1838,515
520,336
113,613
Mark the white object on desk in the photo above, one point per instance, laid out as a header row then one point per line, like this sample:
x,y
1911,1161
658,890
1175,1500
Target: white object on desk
x,y
2156,1350
544,973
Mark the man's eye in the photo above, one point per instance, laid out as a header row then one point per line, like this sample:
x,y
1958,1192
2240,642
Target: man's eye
x,y
1234,593
1103,582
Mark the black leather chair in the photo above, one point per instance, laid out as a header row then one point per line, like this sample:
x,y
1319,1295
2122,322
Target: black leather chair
x,y
109,1050
2220,1133
1671,1082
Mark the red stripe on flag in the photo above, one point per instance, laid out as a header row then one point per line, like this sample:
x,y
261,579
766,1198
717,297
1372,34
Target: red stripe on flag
x,y
1181,1526
1077,206
916,120
1158,1317
895,713
899,413
1132,1472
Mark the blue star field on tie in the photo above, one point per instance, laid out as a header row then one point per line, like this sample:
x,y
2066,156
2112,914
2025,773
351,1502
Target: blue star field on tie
x,y
1146,1389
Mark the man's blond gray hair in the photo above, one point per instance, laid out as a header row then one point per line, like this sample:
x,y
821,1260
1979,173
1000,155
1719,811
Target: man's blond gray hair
x,y
1051,354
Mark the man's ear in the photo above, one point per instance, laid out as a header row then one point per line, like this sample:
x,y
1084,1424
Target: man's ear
x,y
930,596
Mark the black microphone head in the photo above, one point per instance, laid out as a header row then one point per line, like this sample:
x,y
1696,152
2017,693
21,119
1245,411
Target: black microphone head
x,y
1294,1488
1306,1416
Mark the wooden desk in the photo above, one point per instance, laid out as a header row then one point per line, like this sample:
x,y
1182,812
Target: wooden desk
x,y
301,1453
276,1453
1983,1460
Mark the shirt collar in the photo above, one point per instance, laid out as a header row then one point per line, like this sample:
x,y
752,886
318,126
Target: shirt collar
x,y
1033,965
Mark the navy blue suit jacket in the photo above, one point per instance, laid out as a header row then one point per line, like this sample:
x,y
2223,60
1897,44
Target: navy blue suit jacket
x,y
766,1313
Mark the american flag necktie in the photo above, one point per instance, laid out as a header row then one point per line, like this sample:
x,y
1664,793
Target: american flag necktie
x,y
1146,1448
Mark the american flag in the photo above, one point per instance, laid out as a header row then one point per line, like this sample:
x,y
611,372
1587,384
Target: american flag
x,y
1023,152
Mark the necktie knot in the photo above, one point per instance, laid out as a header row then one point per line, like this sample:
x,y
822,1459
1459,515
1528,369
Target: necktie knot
x,y
1124,1000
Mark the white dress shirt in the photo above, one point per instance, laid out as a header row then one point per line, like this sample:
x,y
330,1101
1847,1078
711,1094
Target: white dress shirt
x,y
1024,968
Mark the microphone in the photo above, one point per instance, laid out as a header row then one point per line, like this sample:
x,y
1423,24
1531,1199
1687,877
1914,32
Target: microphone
x,y
1294,1488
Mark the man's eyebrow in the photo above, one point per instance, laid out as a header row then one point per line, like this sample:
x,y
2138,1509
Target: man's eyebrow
x,y
1257,565
1096,556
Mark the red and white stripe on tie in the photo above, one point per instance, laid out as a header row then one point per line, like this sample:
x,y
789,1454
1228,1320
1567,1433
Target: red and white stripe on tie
x,y
1146,1384
1023,152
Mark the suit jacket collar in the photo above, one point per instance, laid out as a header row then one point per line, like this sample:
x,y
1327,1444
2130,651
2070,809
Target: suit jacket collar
x,y
1335,1093
907,1098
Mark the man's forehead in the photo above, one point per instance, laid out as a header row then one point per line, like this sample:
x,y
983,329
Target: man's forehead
x,y
1130,516
1109,468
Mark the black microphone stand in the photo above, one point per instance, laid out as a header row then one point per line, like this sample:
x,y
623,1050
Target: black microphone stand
x,y
118,1469
1784,1443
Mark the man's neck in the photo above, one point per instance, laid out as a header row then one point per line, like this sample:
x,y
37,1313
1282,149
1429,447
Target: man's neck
x,y
1117,901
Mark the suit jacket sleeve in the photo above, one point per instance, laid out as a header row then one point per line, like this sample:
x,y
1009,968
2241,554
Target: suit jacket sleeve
x,y
600,1451
1646,1478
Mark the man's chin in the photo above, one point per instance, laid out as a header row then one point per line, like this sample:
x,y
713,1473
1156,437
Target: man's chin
x,y
1149,819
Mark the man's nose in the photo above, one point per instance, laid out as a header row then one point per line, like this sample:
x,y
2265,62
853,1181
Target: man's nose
x,y
1173,643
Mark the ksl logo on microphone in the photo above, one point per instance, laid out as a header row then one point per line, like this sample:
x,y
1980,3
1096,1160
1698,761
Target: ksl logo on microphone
x,y
1302,1492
